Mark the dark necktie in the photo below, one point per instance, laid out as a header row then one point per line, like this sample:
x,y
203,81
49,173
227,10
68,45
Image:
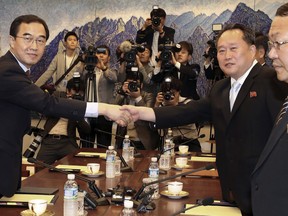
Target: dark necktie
x,y
28,73
283,110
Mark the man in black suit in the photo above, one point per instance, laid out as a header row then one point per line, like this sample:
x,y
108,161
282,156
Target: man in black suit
x,y
270,176
241,127
18,95
154,32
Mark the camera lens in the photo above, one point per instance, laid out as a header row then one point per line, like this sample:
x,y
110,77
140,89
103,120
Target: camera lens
x,y
156,21
168,96
132,86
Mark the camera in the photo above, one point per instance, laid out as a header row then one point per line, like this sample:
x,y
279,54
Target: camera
x,y
90,58
77,86
167,93
156,21
166,55
133,86
130,57
100,50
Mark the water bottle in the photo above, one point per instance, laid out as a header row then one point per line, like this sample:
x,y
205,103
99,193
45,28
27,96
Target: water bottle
x,y
170,137
153,175
128,209
125,150
70,196
110,162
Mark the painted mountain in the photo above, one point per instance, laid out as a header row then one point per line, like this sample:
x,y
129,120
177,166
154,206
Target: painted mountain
x,y
195,29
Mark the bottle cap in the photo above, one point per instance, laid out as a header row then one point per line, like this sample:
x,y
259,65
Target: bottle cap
x,y
126,136
128,204
154,159
167,141
71,176
110,147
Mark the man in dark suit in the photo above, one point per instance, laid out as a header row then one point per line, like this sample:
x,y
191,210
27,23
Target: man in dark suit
x,y
241,128
270,176
154,32
18,95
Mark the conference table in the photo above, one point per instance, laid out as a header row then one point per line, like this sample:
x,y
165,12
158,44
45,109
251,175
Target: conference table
x,y
197,187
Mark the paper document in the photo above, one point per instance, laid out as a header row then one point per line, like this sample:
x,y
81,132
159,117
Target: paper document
x,y
212,211
203,159
102,155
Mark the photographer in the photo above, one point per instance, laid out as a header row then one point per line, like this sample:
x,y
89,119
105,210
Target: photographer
x,y
177,65
154,32
170,96
100,82
65,57
60,138
140,132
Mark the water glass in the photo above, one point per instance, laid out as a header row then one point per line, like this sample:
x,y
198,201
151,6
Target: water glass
x,y
117,166
131,153
165,162
80,201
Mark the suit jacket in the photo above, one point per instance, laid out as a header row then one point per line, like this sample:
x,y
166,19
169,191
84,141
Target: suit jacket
x,y
241,134
148,33
18,96
148,137
270,176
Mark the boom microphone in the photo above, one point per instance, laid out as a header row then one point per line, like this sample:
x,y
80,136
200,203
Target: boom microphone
x,y
203,202
125,46
101,201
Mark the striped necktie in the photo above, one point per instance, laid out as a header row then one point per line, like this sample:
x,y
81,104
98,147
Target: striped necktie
x,y
283,110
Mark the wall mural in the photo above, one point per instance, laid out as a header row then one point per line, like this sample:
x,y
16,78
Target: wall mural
x,y
110,22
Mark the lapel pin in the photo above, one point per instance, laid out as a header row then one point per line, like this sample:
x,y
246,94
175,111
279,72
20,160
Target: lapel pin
x,y
253,94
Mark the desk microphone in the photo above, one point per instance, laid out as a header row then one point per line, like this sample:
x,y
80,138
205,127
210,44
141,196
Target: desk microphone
x,y
136,153
125,168
165,150
140,191
101,201
203,202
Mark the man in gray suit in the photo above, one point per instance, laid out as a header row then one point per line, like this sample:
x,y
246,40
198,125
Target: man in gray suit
x,y
270,176
242,108
18,96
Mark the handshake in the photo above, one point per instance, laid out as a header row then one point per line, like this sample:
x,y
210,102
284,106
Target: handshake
x,y
123,115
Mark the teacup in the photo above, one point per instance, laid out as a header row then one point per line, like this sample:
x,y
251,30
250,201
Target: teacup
x,y
93,168
181,161
183,149
175,187
37,206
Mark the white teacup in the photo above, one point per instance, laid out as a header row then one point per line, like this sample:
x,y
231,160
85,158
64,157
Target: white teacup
x,y
38,206
183,149
93,168
181,161
175,187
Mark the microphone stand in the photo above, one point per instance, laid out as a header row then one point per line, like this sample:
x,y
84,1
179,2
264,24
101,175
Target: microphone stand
x,y
139,192
125,168
101,201
136,153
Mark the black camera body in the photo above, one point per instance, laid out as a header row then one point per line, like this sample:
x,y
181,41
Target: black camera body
x,y
166,55
130,57
90,58
168,95
166,89
156,21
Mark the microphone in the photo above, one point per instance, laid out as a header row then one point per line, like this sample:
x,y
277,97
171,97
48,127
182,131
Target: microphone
x,y
125,168
101,201
136,153
203,202
125,46
140,191
165,150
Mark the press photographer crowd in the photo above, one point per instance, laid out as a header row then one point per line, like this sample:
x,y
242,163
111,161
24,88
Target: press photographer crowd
x,y
150,101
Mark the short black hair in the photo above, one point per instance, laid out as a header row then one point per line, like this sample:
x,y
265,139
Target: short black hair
x,y
71,85
30,18
262,42
134,76
282,10
188,46
174,84
158,13
70,34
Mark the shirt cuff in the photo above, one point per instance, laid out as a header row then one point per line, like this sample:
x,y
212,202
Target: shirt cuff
x,y
91,110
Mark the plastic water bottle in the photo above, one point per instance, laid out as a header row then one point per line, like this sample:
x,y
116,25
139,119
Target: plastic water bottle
x,y
125,150
170,137
70,196
128,209
110,162
153,175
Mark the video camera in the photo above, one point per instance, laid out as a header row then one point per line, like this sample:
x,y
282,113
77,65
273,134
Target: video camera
x,y
166,89
77,84
90,58
166,55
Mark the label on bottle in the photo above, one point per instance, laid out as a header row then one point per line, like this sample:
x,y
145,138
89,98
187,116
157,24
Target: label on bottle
x,y
110,158
70,193
153,173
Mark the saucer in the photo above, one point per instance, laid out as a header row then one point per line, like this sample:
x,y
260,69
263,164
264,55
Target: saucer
x,y
175,166
28,212
173,196
183,154
88,174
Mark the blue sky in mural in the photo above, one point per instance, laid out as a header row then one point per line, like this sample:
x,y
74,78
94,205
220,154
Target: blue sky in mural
x,y
66,14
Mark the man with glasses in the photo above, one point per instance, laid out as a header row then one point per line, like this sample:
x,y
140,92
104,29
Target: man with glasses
x,y
28,36
270,176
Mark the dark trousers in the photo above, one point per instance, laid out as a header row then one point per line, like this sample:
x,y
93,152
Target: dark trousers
x,y
54,149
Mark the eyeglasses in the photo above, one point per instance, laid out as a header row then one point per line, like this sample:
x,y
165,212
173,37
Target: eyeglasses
x,y
29,40
277,44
